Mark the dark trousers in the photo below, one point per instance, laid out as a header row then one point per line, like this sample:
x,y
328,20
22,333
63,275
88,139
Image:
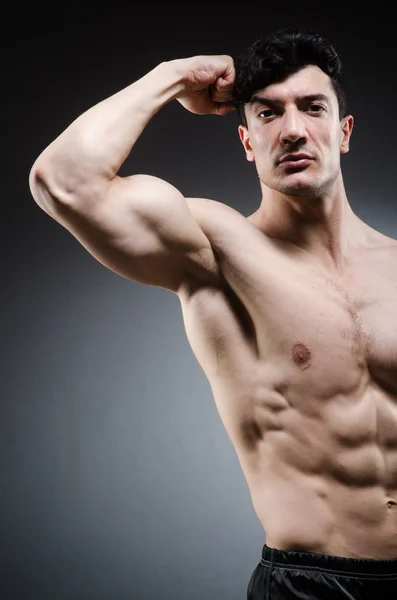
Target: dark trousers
x,y
287,575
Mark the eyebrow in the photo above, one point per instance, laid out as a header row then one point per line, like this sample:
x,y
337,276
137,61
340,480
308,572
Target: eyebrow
x,y
278,103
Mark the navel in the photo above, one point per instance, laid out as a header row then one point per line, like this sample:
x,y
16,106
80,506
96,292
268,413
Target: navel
x,y
301,355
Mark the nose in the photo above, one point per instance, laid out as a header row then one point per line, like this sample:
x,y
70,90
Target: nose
x,y
293,127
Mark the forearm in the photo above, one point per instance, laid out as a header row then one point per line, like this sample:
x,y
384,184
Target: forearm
x,y
92,149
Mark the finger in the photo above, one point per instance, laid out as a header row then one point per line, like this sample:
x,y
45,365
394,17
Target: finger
x,y
223,84
220,93
229,75
221,97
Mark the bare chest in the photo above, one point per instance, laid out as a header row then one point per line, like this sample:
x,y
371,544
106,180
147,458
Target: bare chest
x,y
306,332
330,334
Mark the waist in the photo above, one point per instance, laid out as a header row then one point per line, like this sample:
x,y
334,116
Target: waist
x,y
322,516
312,561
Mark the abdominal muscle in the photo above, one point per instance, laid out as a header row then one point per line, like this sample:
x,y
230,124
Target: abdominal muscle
x,y
327,499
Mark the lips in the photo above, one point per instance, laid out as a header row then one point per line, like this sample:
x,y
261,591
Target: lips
x,y
295,161
295,157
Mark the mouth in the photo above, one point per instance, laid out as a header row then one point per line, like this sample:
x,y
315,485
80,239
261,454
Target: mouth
x,y
296,161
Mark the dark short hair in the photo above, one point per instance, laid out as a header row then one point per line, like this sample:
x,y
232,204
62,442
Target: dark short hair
x,y
274,57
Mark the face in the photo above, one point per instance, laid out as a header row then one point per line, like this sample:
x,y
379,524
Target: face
x,y
297,116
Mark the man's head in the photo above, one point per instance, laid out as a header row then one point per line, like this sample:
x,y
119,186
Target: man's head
x,y
290,98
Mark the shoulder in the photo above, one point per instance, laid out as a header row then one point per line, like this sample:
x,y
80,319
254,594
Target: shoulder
x,y
215,217
206,206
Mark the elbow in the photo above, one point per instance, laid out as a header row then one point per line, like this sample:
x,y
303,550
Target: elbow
x,y
42,191
36,179
55,184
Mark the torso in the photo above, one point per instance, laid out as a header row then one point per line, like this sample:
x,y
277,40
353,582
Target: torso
x,y
303,368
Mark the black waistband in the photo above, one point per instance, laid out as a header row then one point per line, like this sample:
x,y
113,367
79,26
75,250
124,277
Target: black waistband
x,y
356,566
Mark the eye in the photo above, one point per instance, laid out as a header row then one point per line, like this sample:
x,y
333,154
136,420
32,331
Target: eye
x,y
265,113
316,108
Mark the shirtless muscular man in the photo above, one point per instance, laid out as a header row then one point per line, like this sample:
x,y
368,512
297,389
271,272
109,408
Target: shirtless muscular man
x,y
291,311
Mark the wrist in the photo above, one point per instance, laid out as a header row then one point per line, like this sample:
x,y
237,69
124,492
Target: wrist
x,y
170,76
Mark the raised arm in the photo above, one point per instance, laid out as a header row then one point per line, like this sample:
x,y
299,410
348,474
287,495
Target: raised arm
x,y
138,226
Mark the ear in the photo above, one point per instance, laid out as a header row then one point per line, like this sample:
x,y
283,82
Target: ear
x,y
245,140
346,131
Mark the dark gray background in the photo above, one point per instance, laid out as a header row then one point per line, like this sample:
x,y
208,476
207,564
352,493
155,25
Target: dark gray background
x,y
118,480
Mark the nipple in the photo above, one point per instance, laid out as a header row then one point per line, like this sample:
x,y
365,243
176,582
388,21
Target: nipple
x,y
301,355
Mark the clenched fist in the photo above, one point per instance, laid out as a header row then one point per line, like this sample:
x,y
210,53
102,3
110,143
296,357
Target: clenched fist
x,y
208,84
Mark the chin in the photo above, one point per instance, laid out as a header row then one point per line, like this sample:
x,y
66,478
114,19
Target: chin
x,y
299,188
301,185
304,184
301,191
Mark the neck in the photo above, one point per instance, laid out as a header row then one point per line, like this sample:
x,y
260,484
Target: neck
x,y
323,227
